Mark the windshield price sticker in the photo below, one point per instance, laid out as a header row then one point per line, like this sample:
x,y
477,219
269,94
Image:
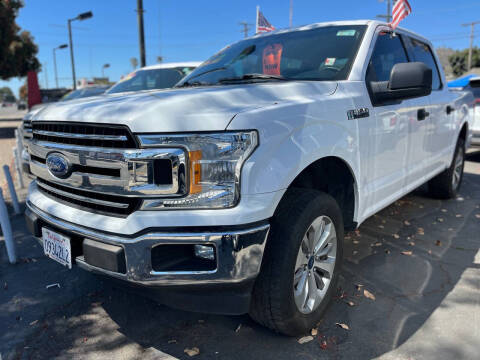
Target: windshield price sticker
x,y
272,55
346,33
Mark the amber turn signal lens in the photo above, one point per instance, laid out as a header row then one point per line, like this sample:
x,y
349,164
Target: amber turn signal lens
x,y
195,171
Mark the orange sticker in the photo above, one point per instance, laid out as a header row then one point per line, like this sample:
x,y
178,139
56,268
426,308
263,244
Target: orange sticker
x,y
272,55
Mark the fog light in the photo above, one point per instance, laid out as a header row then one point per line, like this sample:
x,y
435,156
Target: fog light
x,y
205,252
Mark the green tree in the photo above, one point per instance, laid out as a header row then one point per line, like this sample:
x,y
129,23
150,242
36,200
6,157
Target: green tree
x,y
459,60
17,49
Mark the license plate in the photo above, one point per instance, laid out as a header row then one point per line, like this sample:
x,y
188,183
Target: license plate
x,y
57,247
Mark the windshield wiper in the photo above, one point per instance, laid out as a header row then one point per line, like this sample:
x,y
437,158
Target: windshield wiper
x,y
196,83
193,83
248,77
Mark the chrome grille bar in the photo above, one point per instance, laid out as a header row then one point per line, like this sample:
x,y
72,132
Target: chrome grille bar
x,y
89,200
81,136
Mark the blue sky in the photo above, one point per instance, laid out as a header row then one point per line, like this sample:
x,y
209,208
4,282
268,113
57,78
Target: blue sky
x,y
194,30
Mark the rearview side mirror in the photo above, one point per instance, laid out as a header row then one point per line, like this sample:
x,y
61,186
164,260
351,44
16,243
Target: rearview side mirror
x,y
407,81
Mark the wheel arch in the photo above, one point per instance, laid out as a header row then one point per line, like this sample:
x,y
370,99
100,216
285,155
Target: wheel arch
x,y
334,176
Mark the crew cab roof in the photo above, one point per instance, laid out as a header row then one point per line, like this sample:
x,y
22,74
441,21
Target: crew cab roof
x,y
374,23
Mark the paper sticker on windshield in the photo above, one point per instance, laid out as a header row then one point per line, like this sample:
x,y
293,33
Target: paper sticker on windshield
x,y
272,56
346,33
330,61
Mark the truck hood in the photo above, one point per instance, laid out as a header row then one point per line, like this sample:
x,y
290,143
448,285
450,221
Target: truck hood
x,y
182,109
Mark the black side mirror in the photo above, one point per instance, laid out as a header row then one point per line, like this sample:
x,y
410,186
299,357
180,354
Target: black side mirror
x,y
407,81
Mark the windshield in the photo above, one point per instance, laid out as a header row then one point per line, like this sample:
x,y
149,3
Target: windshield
x,y
324,54
151,79
83,93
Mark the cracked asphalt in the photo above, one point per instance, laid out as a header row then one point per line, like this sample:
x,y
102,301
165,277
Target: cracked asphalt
x,y
419,257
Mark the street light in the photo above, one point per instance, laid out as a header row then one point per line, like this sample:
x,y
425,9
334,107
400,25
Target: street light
x,y
63,46
105,66
82,16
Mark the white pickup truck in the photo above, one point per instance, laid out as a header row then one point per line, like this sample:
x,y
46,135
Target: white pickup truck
x,y
231,192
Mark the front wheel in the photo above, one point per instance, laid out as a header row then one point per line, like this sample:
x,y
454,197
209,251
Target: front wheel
x,y
301,263
447,184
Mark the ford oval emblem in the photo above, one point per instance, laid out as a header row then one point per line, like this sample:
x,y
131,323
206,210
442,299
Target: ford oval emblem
x,y
58,165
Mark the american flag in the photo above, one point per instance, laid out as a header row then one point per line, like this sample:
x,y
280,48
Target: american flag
x,y
262,24
401,10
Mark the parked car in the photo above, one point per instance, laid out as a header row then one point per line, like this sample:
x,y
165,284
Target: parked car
x,y
160,76
21,105
474,87
85,92
231,193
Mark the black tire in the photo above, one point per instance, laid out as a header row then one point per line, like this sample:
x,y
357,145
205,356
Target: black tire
x,y
273,303
443,185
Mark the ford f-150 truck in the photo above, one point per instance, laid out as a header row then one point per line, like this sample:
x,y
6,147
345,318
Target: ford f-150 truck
x,y
231,192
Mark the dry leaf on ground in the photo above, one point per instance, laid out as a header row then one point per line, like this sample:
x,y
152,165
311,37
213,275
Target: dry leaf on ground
x,y
477,216
305,339
408,253
314,332
33,322
444,210
421,231
192,352
406,222
356,242
381,227
411,243
458,215
343,326
396,236
368,294
238,328
376,244
173,341
358,286
387,251
350,303
438,243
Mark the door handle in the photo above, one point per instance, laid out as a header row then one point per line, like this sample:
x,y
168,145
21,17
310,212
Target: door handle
x,y
450,109
422,114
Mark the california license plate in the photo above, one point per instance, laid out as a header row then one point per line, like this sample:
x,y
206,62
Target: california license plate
x,y
57,247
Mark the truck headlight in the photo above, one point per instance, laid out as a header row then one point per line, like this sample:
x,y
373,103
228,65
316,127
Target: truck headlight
x,y
214,164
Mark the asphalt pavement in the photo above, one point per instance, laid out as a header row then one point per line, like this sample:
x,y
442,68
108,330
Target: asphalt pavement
x,y
418,260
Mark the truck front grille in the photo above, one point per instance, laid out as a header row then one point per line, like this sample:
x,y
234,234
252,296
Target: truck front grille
x,y
92,135
111,205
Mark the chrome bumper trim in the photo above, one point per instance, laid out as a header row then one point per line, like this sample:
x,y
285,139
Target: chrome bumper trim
x,y
237,261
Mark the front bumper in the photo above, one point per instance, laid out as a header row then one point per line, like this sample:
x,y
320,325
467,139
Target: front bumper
x,y
238,250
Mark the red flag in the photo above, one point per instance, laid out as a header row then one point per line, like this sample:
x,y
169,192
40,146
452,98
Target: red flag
x,y
400,11
33,90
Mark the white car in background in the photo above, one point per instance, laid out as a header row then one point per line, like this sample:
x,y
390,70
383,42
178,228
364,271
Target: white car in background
x,y
159,76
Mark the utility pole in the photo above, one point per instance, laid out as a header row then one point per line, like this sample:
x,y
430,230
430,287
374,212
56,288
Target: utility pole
x,y
246,28
472,38
46,75
290,15
388,16
141,34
